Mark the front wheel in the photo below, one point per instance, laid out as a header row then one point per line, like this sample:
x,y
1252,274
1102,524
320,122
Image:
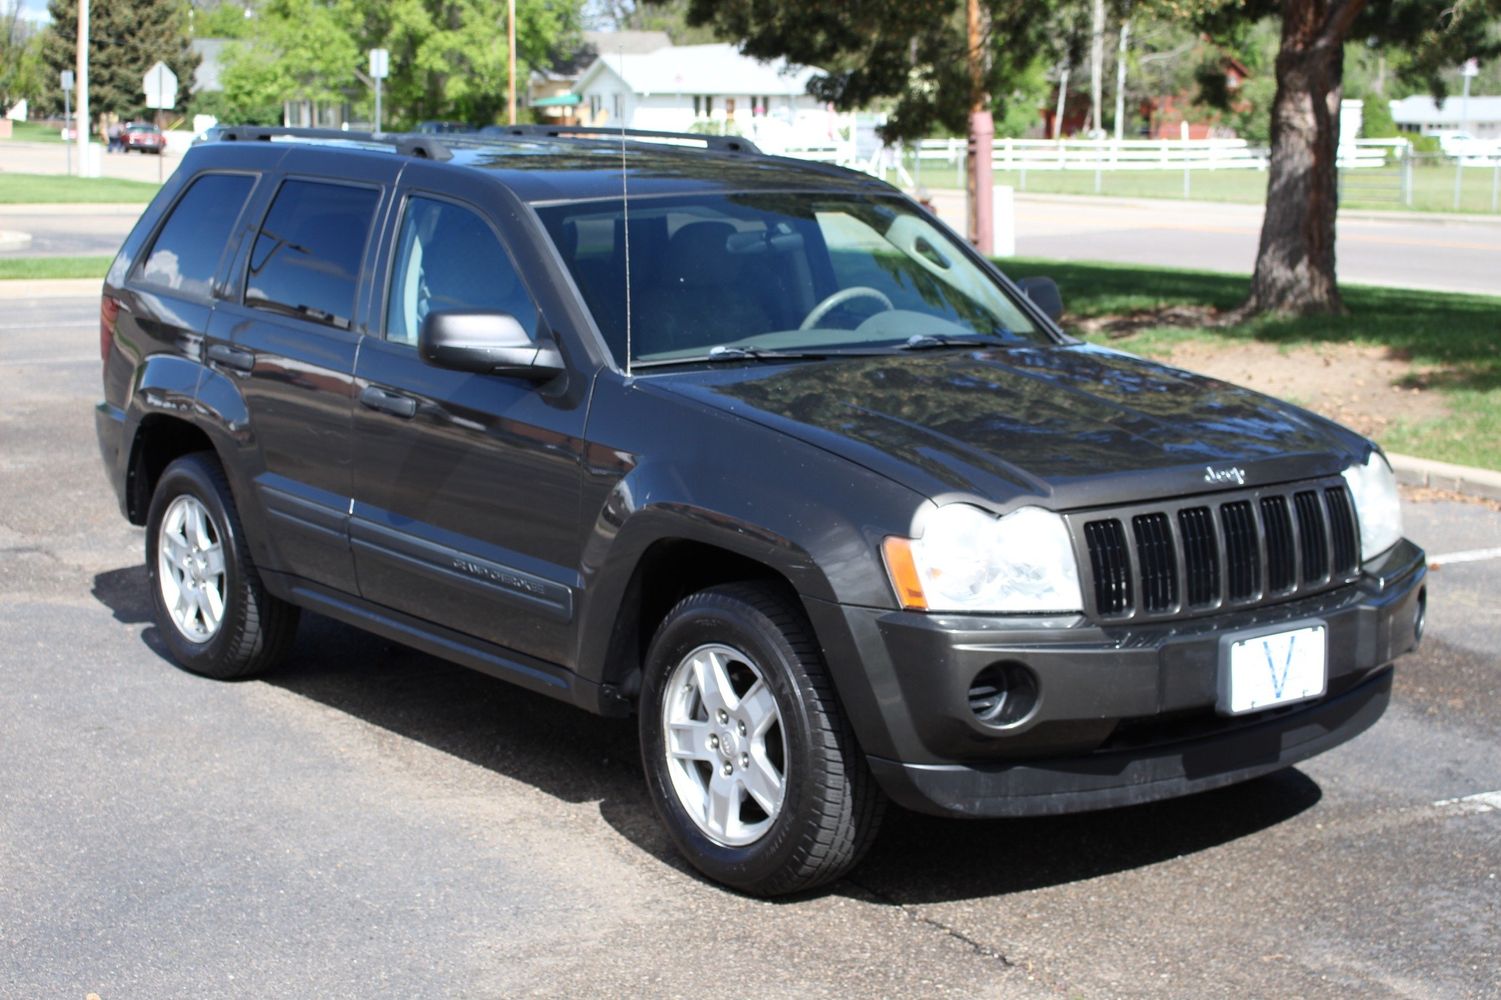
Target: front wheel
x,y
749,759
209,605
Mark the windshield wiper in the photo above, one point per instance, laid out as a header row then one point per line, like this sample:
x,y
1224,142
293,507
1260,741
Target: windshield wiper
x,y
933,341
735,352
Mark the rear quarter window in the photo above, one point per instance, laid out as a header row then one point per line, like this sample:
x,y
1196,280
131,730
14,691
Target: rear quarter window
x,y
185,255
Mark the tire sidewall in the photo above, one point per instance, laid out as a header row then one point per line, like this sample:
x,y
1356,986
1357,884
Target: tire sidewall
x,y
710,618
190,476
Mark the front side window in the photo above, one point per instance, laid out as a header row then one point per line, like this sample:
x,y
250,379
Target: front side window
x,y
449,259
786,272
186,253
306,258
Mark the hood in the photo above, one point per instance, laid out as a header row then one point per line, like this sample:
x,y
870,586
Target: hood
x,y
1073,426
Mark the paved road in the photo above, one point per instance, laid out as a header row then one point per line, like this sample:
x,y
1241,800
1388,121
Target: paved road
x,y
1417,252
376,822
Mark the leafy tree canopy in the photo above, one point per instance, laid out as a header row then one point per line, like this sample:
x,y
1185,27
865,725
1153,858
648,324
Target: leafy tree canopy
x,y
126,38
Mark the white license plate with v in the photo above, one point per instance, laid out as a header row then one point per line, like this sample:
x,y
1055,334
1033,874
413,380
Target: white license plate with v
x,y
1258,672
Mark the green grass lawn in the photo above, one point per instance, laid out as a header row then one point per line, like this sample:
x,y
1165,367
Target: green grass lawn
x,y
17,189
35,132
1372,188
44,268
1458,334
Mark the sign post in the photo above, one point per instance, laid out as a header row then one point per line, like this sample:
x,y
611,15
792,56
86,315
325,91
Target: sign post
x,y
160,85
66,79
380,64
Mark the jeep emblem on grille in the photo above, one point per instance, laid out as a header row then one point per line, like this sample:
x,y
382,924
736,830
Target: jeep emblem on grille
x,y
1230,475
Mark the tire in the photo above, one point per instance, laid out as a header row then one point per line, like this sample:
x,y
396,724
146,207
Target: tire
x,y
207,599
754,647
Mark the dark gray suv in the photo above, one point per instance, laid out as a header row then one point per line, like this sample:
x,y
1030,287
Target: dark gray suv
x,y
754,449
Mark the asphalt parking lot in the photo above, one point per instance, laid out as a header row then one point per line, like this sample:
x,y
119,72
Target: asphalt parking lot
x,y
375,822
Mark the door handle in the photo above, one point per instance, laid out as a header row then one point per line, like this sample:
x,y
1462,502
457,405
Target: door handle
x,y
232,357
393,403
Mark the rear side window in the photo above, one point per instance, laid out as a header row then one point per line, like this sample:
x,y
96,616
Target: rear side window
x,y
186,253
306,258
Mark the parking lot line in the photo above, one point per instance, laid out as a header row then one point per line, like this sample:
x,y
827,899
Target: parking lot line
x,y
1469,555
1480,802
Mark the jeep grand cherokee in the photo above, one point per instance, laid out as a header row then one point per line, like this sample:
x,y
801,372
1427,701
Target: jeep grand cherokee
x,y
754,449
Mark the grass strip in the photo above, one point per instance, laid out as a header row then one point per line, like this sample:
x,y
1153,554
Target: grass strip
x,y
48,268
31,189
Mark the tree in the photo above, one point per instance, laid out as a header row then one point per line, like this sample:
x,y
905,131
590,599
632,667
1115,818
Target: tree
x,y
448,57
296,50
126,38
1295,260
21,75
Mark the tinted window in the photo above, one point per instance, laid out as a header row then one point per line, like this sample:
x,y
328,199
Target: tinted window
x,y
187,250
306,258
447,258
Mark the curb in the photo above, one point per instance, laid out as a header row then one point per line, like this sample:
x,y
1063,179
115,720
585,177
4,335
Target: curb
x,y
1443,476
12,240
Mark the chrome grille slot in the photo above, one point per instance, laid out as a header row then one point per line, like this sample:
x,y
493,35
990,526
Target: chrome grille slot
x,y
1313,540
1159,571
1281,569
1201,556
1242,551
1111,565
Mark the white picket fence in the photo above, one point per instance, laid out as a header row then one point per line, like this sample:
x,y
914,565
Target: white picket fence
x,y
1092,154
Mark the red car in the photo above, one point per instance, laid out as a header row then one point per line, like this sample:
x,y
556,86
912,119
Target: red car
x,y
143,136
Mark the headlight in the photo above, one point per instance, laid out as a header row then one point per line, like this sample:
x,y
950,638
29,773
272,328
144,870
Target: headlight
x,y
1377,505
970,560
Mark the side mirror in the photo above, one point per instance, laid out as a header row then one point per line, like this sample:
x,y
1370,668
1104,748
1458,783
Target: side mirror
x,y
1044,292
490,343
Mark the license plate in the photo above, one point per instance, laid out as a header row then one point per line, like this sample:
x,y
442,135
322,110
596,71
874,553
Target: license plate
x,y
1275,668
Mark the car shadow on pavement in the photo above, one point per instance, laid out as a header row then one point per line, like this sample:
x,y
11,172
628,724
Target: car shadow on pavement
x,y
926,859
577,757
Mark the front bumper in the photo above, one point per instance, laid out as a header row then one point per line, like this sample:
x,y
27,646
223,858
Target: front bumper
x,y
1123,713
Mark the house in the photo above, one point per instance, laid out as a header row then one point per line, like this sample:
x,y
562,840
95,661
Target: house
x,y
1420,114
700,87
552,92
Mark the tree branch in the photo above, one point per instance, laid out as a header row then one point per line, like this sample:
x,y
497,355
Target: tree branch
x,y
1339,20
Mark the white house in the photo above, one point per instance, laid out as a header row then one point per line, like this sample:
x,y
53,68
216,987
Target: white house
x,y
675,88
1422,115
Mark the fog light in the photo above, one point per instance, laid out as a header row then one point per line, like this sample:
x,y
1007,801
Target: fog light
x,y
1003,694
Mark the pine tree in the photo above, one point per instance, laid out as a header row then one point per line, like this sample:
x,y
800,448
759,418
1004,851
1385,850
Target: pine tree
x,y
126,38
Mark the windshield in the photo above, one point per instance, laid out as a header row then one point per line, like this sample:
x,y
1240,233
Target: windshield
x,y
777,273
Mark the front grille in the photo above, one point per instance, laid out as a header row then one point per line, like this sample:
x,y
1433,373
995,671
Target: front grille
x,y
1234,550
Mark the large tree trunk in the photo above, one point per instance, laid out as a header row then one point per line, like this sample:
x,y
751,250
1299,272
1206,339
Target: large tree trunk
x,y
1295,263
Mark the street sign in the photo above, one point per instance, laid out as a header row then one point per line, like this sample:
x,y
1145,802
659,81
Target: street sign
x,y
66,79
160,85
380,62
1471,67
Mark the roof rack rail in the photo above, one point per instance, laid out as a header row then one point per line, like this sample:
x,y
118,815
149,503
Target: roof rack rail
x,y
420,146
603,133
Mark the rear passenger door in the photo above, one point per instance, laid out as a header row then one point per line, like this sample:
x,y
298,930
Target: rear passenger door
x,y
290,335
466,486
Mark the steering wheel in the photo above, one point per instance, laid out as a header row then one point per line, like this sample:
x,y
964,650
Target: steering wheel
x,y
839,298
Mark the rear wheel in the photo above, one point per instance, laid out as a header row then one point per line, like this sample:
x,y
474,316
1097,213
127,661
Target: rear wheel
x,y
208,601
748,756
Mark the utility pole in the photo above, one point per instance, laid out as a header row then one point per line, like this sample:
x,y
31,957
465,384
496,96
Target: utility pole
x,y
82,126
1120,78
981,136
1097,67
511,68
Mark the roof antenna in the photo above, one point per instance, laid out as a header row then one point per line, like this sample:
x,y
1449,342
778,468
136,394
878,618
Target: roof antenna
x,y
625,209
